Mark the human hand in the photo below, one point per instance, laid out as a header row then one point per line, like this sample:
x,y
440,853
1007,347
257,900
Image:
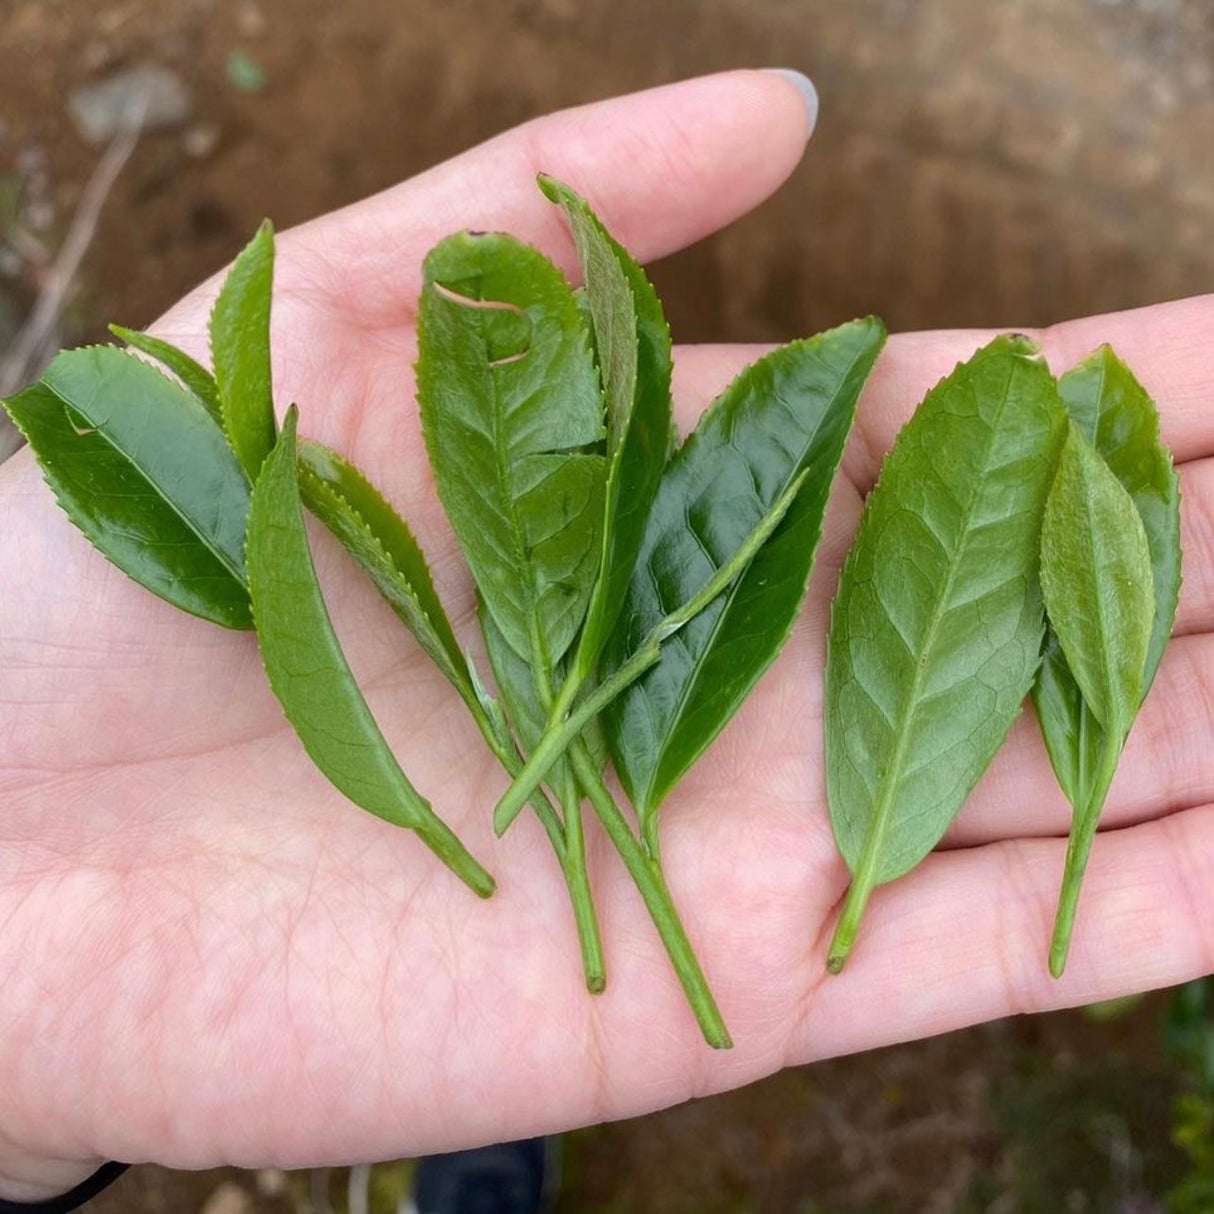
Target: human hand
x,y
207,955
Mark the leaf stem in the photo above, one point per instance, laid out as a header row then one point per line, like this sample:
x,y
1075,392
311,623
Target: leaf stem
x,y
445,844
1079,847
567,843
651,883
573,864
576,877
560,733
849,921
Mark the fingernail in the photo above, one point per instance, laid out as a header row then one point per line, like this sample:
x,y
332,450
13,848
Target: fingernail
x,y
806,87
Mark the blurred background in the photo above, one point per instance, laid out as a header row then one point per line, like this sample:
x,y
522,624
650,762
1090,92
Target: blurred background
x,y
976,163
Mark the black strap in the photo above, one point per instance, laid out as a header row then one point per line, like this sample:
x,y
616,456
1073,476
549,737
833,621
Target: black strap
x,y
85,1191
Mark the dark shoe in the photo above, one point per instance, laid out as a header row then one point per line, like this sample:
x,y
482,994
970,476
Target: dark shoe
x,y
510,1178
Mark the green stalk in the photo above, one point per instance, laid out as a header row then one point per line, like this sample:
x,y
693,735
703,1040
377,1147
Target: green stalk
x,y
574,863
445,844
849,921
1083,831
651,883
562,730
564,845
576,877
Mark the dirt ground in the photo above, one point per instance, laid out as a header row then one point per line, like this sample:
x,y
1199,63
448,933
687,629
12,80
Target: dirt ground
x,y
1007,163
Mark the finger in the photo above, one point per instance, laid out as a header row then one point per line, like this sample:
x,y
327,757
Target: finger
x,y
968,933
663,168
1166,346
1195,611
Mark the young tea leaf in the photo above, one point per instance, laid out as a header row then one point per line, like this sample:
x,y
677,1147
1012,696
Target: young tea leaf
x,y
632,342
788,414
240,351
126,515
309,672
1100,597
371,531
512,414
191,373
1097,584
937,625
1116,414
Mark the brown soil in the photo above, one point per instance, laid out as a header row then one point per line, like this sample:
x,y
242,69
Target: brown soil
x,y
1009,164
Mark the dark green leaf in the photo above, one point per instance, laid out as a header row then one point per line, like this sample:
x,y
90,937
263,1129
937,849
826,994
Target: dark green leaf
x,y
937,625
1116,414
381,542
125,515
240,351
789,413
632,342
1097,584
142,469
512,412
309,672
191,373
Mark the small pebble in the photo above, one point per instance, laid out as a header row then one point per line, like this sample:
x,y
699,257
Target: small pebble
x,y
146,94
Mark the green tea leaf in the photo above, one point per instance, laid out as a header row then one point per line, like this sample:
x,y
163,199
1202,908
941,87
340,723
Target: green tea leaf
x,y
512,415
632,342
787,414
128,451
240,351
1097,583
1116,414
1099,594
125,514
937,625
191,373
380,541
309,672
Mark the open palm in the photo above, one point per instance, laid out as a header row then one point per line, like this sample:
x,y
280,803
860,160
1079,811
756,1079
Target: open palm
x,y
207,955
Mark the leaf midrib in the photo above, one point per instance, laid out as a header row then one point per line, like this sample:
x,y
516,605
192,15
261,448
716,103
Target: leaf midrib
x,y
911,704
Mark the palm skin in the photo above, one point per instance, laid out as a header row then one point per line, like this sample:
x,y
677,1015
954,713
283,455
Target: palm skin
x,y
207,956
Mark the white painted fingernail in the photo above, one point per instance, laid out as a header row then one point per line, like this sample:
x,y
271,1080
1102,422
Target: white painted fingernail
x,y
806,88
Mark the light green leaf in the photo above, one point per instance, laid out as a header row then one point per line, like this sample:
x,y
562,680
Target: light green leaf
x,y
937,625
1116,414
632,342
191,373
513,416
240,351
1099,590
1097,583
787,414
309,672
